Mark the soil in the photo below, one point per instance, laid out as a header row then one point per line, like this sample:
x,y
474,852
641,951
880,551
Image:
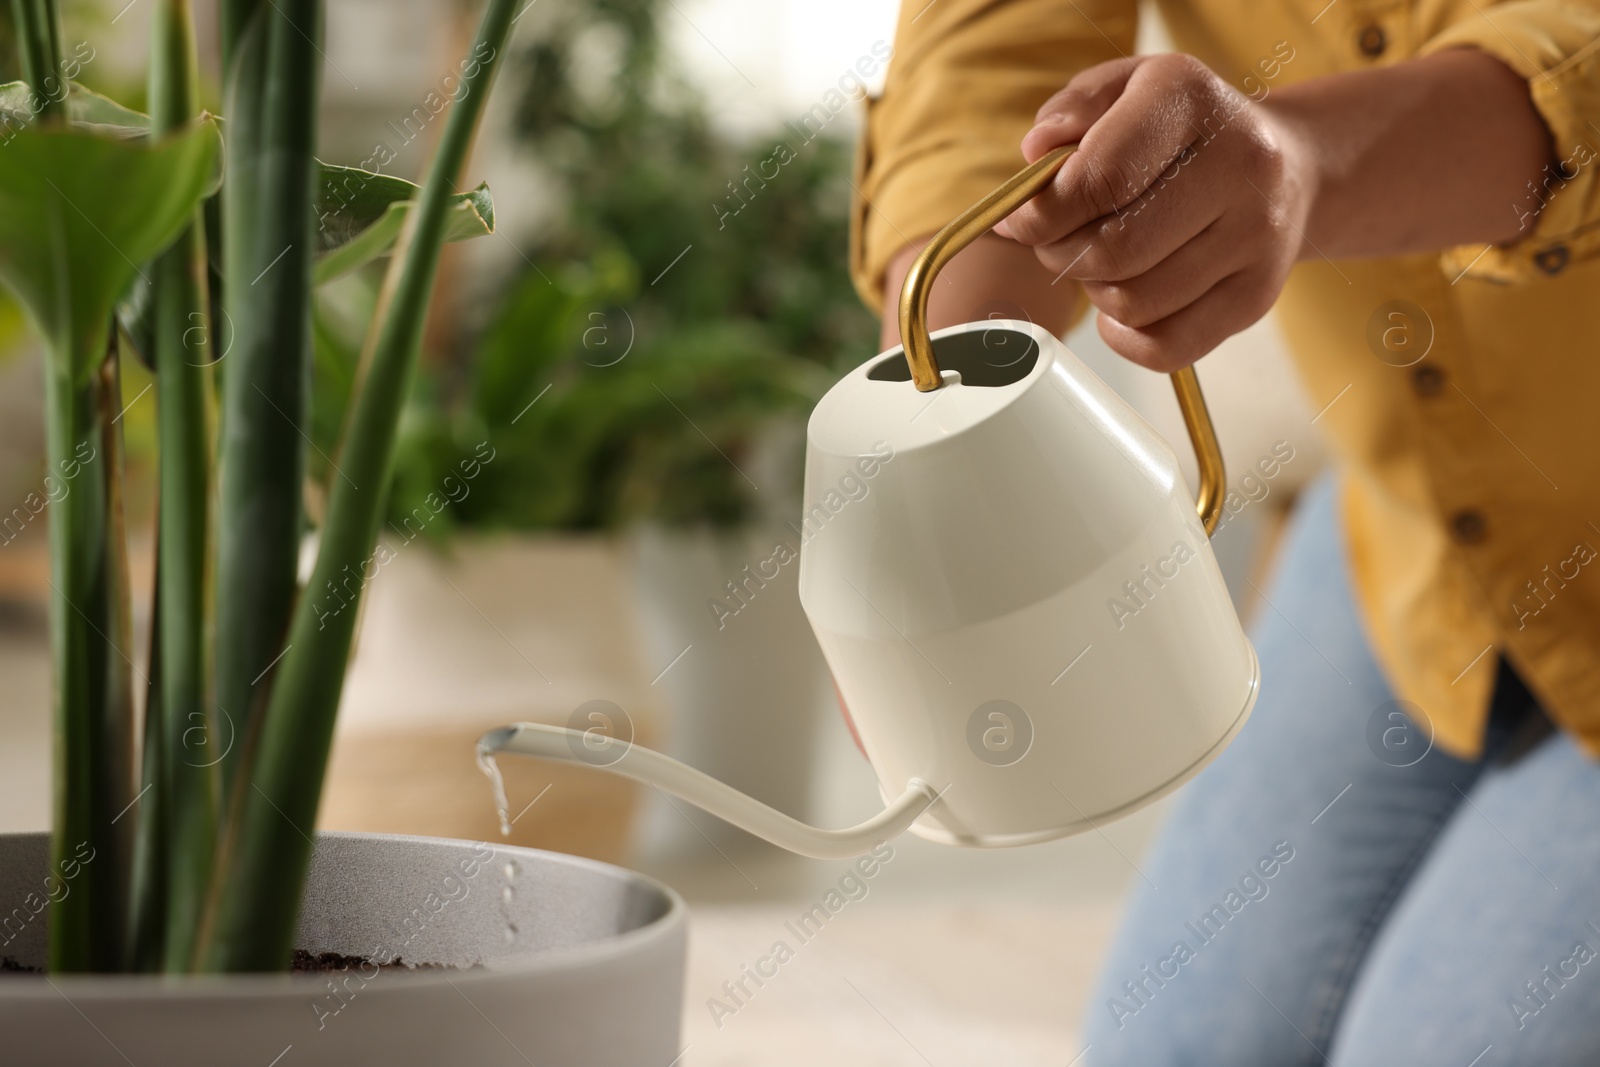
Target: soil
x,y
304,963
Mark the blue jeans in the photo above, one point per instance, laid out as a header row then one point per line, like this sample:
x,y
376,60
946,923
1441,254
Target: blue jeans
x,y
1334,890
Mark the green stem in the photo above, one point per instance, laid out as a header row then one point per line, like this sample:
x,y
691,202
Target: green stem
x,y
92,764
235,17
267,244
118,708
266,848
39,49
186,734
191,735
31,43
147,898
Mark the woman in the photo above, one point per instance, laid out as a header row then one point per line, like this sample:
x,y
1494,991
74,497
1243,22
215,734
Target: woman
x,y
1396,862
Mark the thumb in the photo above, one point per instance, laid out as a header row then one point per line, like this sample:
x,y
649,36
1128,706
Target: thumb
x,y
1067,116
1049,132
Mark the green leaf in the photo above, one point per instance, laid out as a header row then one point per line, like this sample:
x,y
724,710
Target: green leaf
x,y
360,214
85,108
352,231
79,212
91,112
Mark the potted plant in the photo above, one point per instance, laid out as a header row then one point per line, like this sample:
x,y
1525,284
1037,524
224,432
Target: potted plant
x,y
644,379
182,841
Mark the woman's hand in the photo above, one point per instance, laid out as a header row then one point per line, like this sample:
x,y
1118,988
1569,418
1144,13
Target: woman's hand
x,y
1187,203
1180,213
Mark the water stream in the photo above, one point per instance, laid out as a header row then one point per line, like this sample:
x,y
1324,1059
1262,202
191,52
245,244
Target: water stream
x,y
502,807
497,782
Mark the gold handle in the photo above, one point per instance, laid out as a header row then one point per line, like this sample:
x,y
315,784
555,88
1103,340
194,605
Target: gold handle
x,y
978,220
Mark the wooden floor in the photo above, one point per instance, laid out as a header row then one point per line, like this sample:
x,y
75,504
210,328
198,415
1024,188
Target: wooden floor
x,y
889,984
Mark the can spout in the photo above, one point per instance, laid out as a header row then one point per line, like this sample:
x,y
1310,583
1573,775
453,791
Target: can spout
x,y
707,793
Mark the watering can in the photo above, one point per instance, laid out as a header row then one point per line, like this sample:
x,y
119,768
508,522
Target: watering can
x,y
1010,584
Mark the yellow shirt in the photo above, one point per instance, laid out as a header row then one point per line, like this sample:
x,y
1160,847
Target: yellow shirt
x,y
1471,477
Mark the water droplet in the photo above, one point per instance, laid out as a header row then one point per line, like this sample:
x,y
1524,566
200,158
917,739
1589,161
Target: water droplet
x,y
508,894
502,807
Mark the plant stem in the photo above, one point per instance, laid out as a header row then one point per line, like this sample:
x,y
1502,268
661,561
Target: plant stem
x,y
235,17
267,245
39,48
118,708
147,896
267,848
186,734
92,761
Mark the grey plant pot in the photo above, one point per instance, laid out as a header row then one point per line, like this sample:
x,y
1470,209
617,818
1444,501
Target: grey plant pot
x,y
592,975
744,695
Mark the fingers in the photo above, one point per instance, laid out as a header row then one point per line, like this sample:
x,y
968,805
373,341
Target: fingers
x,y
1154,212
1180,203
1175,282
1180,339
1166,103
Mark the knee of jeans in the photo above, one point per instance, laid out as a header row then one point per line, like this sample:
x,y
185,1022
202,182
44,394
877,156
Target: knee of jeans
x,y
1187,1019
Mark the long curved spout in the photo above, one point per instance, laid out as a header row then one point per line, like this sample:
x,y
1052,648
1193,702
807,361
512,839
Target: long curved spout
x,y
705,792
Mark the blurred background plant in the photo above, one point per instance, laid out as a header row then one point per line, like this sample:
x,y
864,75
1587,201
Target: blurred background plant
x,y
655,338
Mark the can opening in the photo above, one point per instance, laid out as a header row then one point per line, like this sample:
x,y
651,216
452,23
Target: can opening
x,y
996,357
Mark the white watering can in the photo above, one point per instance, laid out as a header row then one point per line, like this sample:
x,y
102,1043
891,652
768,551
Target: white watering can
x,y
1022,612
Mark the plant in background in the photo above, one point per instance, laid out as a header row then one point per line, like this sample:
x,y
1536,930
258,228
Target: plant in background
x,y
117,232
658,338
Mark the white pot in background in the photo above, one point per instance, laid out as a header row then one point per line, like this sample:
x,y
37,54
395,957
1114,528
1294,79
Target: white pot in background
x,y
742,681
592,977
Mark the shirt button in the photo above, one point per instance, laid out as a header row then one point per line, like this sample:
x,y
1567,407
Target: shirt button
x,y
1427,380
1372,41
1468,527
1551,260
